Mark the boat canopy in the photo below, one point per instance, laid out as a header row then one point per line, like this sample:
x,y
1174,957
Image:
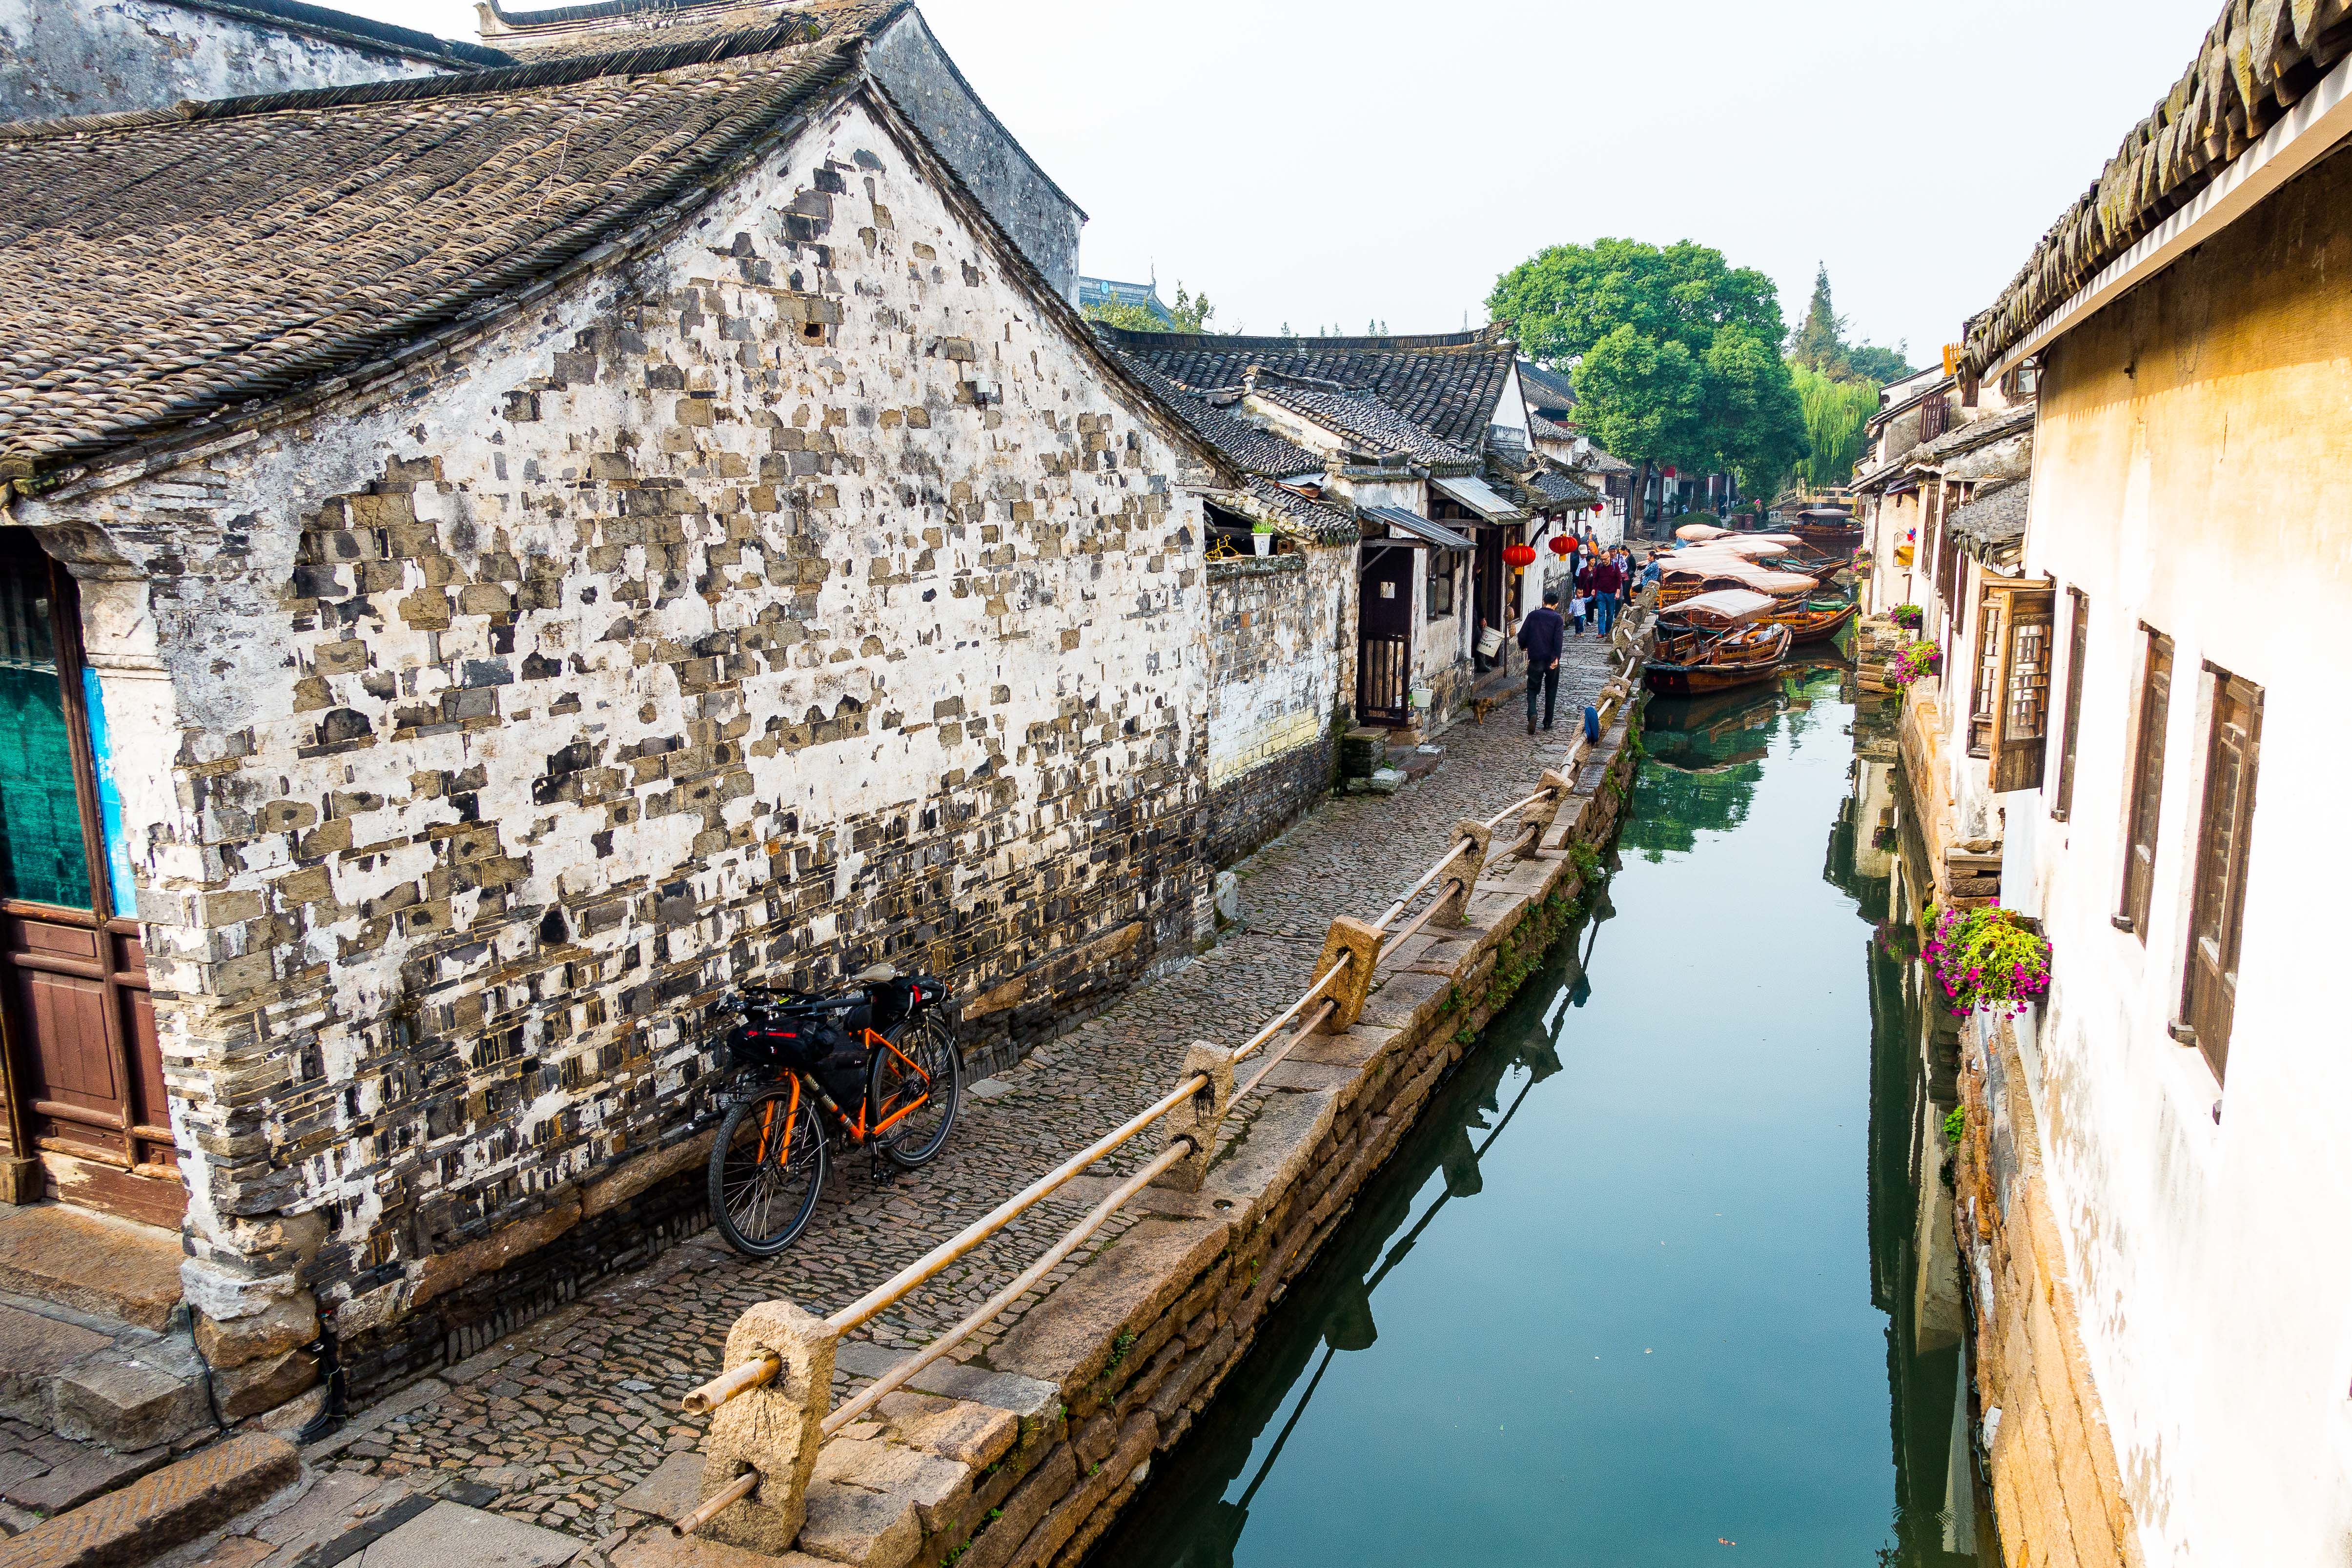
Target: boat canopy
x,y
1724,607
1696,532
1754,549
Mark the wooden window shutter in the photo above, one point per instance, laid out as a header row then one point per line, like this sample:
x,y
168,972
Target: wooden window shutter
x,y
2146,797
1986,680
1932,416
2078,652
2021,704
2218,902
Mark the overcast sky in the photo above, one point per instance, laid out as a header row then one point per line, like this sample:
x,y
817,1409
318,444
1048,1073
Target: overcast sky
x,y
1335,161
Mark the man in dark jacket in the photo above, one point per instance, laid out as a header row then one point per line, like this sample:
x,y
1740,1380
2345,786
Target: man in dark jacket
x,y
1606,580
1539,634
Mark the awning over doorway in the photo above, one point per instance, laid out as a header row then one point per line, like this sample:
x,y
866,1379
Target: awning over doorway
x,y
1481,498
1419,529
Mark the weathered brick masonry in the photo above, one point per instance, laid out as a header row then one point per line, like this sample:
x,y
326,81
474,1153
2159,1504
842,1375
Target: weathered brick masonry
x,y
1282,653
1115,1362
791,591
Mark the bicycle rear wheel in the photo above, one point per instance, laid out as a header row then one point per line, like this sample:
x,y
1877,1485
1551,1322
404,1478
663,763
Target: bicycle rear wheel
x,y
766,1169
922,1069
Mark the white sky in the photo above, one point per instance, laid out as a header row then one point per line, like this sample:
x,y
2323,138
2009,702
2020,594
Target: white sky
x,y
1334,160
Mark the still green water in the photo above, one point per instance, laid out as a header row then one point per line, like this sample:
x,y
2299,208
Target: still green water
x,y
1628,1295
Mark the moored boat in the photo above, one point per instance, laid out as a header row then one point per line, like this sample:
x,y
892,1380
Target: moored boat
x,y
1814,620
1714,642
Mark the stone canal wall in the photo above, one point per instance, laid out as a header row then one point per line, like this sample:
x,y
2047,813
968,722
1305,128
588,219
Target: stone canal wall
x,y
1026,1455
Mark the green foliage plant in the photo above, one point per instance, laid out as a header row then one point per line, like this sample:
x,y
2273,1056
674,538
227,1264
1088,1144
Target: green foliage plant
x,y
1956,1122
1988,960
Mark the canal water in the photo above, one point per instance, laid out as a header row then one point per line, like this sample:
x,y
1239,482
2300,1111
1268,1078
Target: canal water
x,y
1636,1290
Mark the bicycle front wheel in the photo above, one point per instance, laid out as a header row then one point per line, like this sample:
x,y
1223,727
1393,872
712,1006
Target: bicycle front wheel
x,y
915,1084
766,1169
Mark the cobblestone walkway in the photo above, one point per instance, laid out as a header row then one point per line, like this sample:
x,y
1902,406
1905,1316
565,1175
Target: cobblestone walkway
x,y
566,1415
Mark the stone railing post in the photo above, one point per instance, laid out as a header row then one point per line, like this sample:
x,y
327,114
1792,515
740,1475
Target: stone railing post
x,y
1536,822
1362,945
1454,907
773,1429
1196,1119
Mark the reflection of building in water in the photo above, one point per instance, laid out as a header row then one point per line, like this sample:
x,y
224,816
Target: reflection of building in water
x,y
1913,1268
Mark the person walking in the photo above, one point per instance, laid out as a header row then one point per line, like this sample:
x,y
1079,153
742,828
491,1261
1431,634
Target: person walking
x,y
1604,594
1539,634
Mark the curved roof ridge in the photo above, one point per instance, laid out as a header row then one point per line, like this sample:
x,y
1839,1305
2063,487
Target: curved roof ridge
x,y
564,70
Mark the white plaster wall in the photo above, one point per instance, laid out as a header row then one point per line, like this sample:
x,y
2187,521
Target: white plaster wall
x,y
1007,618
1281,678
2209,1260
96,57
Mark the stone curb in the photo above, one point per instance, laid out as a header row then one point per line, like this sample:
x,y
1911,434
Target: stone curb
x,y
167,1508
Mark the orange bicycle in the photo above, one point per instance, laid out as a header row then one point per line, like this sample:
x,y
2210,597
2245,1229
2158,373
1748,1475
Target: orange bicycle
x,y
875,1064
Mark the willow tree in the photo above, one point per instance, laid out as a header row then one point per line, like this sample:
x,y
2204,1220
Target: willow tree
x,y
1834,413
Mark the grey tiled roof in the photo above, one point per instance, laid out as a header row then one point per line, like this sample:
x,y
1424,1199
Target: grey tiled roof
x,y
2256,65
1556,488
1361,417
1994,524
1448,382
1545,386
174,263
1243,445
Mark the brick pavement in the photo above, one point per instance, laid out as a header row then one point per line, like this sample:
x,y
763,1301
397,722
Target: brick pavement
x,y
564,1416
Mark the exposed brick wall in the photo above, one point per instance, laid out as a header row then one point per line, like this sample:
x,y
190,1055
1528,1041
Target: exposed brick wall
x,y
795,595
2058,1494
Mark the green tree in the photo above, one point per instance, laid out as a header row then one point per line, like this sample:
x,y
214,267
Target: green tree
x,y
1679,350
1637,396
1563,301
1819,342
1834,414
1752,424
1879,366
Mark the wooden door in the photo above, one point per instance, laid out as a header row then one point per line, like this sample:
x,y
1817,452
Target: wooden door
x,y
1384,637
84,1073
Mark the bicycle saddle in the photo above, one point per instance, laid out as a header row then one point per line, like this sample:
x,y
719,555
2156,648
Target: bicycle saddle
x,y
875,974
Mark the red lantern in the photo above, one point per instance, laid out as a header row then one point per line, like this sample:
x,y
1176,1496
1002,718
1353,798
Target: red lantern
x,y
1561,544
1596,505
1519,557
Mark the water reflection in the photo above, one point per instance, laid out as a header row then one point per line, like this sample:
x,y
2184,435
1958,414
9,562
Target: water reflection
x,y
1620,1298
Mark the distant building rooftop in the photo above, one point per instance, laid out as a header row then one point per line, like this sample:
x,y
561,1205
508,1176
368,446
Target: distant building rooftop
x,y
1094,291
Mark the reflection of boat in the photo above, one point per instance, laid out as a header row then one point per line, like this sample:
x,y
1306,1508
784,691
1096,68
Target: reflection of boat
x,y
1716,642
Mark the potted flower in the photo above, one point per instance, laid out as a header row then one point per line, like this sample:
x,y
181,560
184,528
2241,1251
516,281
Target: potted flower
x,y
1988,960
1916,660
1907,616
1261,538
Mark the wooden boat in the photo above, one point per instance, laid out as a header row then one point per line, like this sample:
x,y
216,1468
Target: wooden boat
x,y
1716,642
1685,574
1829,529
1814,620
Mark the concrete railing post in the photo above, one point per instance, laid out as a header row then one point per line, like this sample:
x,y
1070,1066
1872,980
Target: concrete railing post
x,y
1196,1119
1454,904
773,1428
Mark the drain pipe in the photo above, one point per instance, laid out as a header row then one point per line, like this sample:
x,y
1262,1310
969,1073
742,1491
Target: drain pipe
x,y
331,1372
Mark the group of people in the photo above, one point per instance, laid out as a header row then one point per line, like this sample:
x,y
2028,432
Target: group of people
x,y
1604,579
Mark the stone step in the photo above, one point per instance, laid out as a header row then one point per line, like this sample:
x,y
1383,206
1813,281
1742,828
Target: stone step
x,y
94,1381
172,1506
93,1263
